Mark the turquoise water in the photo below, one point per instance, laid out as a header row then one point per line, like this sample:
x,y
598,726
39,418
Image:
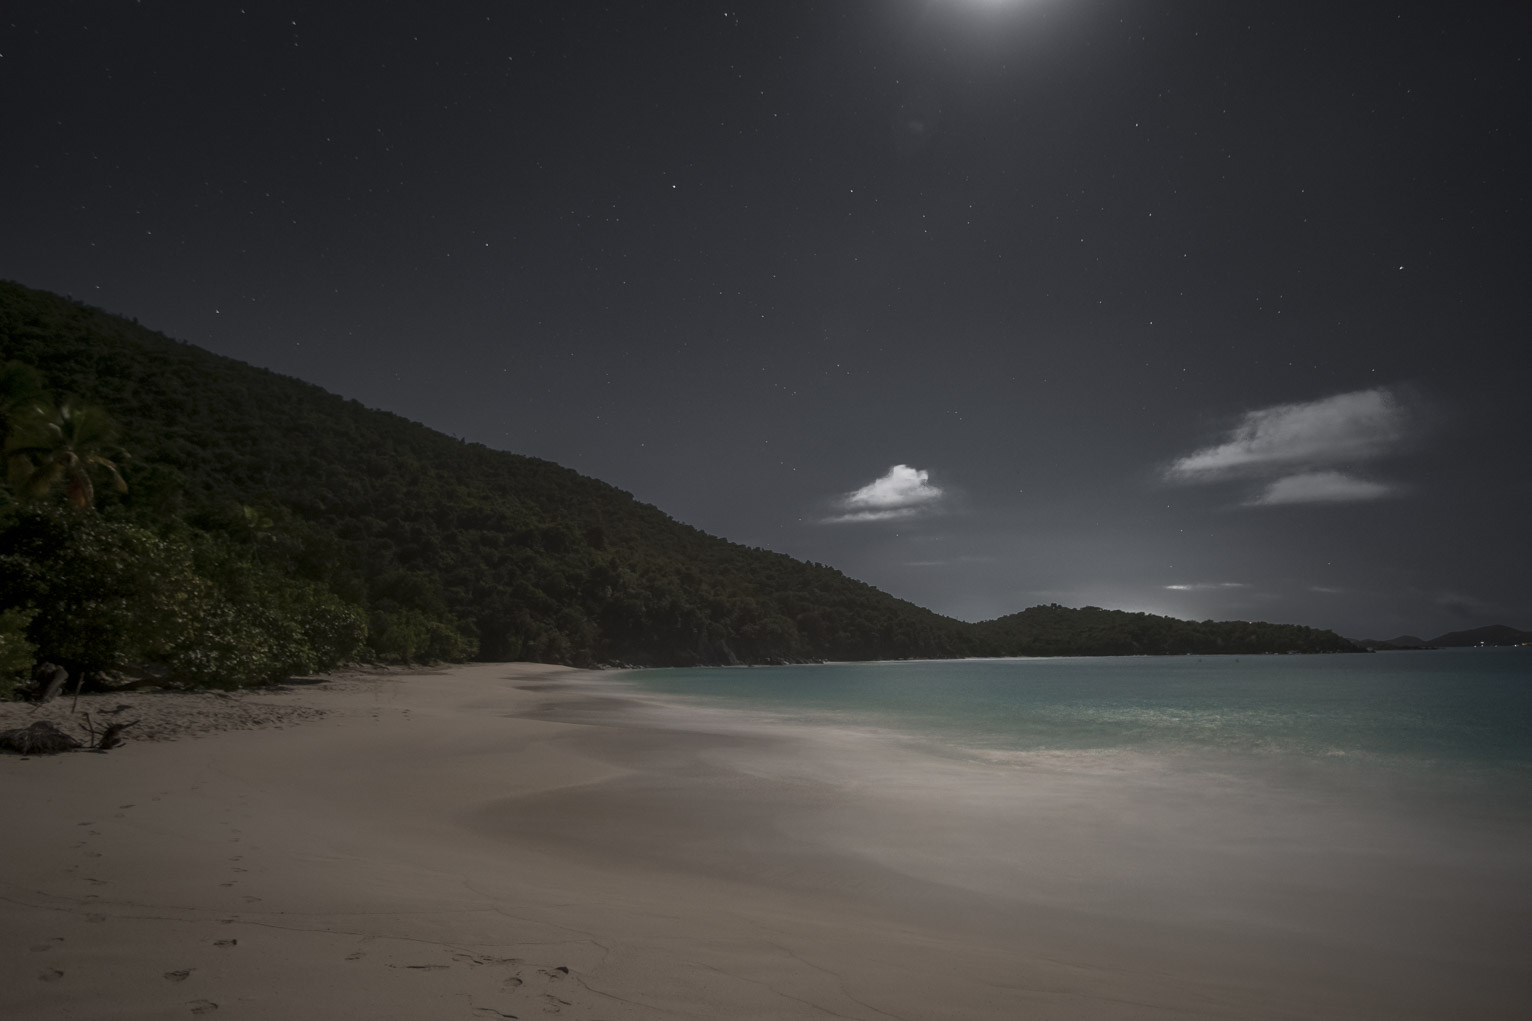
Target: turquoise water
x,y
1445,710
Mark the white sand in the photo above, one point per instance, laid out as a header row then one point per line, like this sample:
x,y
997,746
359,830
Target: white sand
x,y
406,846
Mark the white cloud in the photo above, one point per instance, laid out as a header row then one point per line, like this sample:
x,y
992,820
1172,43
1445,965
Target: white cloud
x,y
900,486
1304,453
901,492
1320,487
1349,427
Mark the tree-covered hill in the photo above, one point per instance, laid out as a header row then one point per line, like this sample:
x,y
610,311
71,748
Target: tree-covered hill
x,y
515,556
1061,631
264,491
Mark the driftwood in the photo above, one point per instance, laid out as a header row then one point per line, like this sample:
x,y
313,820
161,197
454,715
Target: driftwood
x,y
111,737
52,677
44,738
41,738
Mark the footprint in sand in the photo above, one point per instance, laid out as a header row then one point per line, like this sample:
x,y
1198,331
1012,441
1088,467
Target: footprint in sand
x,y
179,975
355,955
474,960
50,975
548,1003
40,947
225,942
202,1006
490,1012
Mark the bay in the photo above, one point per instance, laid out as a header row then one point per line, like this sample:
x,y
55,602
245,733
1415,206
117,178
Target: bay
x,y
1444,710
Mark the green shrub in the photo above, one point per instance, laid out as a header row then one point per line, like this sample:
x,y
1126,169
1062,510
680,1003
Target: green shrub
x,y
17,655
407,635
107,595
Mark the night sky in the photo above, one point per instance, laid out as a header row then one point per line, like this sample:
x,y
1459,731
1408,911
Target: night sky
x,y
1213,309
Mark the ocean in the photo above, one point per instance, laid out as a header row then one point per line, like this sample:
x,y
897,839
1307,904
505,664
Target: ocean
x,y
1442,711
1362,821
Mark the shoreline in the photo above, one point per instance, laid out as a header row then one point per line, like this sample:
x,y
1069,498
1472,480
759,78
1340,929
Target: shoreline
x,y
503,840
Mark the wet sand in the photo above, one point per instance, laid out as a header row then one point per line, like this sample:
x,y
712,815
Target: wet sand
x,y
512,841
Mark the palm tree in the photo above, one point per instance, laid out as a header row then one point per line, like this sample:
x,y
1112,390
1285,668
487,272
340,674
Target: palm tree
x,y
65,445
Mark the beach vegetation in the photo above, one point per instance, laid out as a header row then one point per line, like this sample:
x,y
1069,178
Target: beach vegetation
x,y
105,596
17,653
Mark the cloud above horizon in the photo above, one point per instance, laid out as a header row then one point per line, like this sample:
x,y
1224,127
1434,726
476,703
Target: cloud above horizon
x,y
1301,447
1202,586
1320,487
901,492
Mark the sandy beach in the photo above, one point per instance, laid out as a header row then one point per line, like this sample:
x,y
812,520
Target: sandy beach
x,y
496,841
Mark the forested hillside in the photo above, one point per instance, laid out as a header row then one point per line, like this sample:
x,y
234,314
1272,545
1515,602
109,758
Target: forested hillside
x,y
272,500
453,549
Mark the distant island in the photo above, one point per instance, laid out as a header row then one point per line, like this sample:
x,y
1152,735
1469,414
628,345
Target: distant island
x,y
1493,634
173,510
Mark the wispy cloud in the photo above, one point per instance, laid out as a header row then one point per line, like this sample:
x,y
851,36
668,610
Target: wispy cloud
x,y
1468,607
952,561
1206,586
901,492
1301,447
1320,487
